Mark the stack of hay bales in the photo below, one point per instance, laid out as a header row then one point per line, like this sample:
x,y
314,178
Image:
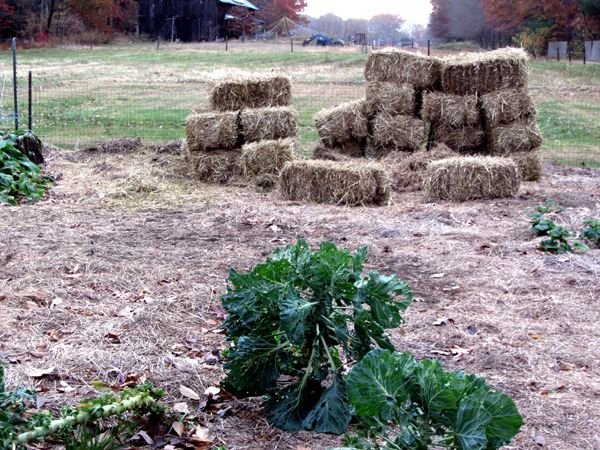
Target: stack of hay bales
x,y
249,131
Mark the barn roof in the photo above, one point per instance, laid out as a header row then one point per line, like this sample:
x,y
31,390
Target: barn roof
x,y
244,3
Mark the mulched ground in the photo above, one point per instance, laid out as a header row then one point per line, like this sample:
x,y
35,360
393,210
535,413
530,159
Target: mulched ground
x,y
117,276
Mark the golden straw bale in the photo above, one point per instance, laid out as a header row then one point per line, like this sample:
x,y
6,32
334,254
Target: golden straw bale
x,y
520,136
506,106
267,157
400,66
529,164
470,178
218,166
268,123
343,123
407,169
482,73
398,132
254,92
338,183
390,97
465,139
211,131
450,110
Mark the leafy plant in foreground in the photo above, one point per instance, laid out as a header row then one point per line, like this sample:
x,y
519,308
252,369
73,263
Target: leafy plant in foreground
x,y
418,405
296,320
591,231
558,236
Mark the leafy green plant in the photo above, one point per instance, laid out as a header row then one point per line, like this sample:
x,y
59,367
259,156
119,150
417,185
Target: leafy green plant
x,y
296,321
591,231
20,178
418,405
559,238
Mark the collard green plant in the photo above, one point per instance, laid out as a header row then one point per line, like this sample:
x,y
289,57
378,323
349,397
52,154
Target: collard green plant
x,y
418,405
559,238
591,231
296,320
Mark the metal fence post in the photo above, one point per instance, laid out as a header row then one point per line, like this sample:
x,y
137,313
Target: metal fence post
x,y
428,47
15,93
557,54
29,102
226,43
292,44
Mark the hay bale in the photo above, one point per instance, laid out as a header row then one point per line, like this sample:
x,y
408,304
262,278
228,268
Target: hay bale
x,y
529,164
268,124
408,169
390,97
482,73
470,178
450,110
465,139
218,166
346,122
506,106
118,145
398,132
211,131
520,136
338,183
256,92
343,152
400,66
263,158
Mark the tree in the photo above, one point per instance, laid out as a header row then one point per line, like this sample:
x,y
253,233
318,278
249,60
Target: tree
x,y
385,27
271,11
7,25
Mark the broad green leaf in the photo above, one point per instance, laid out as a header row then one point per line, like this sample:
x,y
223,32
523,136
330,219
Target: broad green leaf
x,y
378,385
331,414
294,313
288,408
505,420
470,425
387,296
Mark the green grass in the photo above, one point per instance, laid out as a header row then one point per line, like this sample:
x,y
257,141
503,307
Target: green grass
x,y
590,72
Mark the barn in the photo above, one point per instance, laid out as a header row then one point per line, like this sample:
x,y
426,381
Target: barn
x,y
186,20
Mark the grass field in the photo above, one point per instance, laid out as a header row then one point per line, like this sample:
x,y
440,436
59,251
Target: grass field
x,y
82,95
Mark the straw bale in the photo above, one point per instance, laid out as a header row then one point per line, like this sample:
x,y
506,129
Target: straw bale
x,y
211,131
529,164
344,152
390,97
470,178
343,123
398,132
218,166
466,139
520,136
256,92
268,123
267,157
118,145
407,169
482,73
400,66
339,183
506,106
450,110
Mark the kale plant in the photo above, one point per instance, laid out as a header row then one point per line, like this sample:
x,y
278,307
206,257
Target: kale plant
x,y
591,231
559,238
296,321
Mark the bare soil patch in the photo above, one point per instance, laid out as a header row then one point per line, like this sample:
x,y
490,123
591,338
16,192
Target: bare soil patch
x,y
120,271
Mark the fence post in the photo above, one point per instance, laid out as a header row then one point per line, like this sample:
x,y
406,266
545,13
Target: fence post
x,y
29,102
428,47
584,52
292,44
226,43
15,93
158,43
557,54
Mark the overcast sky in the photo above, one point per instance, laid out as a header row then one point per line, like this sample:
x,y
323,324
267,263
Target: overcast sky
x,y
413,11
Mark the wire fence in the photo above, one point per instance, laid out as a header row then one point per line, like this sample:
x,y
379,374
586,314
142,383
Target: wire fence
x,y
101,99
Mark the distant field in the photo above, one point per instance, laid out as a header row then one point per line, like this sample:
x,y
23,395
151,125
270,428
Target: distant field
x,y
82,95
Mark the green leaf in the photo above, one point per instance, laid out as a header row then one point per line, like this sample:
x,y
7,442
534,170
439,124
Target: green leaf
x,y
378,385
505,420
386,296
470,425
331,414
288,408
295,312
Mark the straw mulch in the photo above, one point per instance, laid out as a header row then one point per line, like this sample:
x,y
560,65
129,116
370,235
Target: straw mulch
x,y
521,136
399,132
322,152
268,123
267,157
211,131
390,97
343,123
400,66
339,183
466,139
450,110
218,166
344,150
407,169
118,145
529,164
469,178
481,73
506,106
255,92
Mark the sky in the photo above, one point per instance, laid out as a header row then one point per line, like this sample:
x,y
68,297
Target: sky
x,y
413,11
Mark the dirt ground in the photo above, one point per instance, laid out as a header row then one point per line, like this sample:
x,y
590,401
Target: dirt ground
x,y
118,275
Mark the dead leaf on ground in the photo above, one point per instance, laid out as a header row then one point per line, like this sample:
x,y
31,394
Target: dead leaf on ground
x,y
178,428
41,373
189,393
181,407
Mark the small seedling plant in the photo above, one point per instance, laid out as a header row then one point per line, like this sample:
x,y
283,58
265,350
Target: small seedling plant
x,y
406,404
296,321
559,239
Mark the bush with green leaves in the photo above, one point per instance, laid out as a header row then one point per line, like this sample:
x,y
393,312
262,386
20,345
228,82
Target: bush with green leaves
x,y
408,404
559,238
20,177
591,231
303,316
77,427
